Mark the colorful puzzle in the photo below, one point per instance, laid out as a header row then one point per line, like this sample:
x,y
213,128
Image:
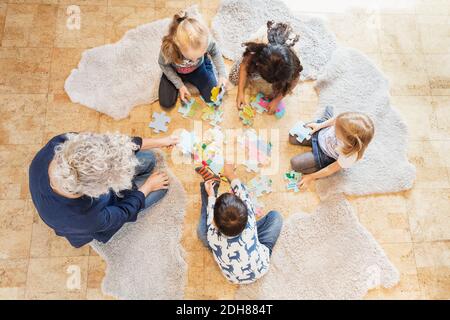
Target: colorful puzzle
x,y
189,109
301,131
257,150
213,115
293,178
217,94
160,121
247,114
257,187
261,104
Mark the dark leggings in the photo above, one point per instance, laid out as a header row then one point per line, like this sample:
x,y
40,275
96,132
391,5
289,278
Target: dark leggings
x,y
203,78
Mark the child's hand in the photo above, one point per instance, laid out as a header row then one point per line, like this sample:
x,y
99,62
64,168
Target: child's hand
x,y
185,95
272,106
314,126
209,187
228,171
305,181
241,101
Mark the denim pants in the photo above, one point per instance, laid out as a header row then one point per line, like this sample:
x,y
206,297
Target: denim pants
x,y
203,78
268,227
147,162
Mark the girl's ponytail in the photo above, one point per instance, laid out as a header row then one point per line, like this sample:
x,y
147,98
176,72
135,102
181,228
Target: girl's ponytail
x,y
170,50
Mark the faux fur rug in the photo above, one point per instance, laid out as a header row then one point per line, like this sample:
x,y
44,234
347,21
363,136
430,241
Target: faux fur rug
x,y
237,20
325,255
351,82
145,259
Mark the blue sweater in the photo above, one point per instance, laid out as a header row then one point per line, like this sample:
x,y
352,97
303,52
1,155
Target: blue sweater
x,y
83,219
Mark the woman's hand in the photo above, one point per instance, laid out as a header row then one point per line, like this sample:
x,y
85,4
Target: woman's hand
x,y
314,126
185,95
156,181
305,181
241,101
209,187
169,141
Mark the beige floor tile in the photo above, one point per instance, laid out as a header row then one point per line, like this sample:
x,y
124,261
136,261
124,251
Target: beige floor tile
x,y
359,31
121,19
433,268
32,1
418,112
23,118
63,61
24,70
92,27
30,26
441,112
57,278
402,256
399,34
3,7
438,70
429,215
385,216
45,244
434,33
15,229
96,272
406,73
13,278
433,7
133,3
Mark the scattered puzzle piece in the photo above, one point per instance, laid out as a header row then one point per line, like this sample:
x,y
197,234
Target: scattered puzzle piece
x,y
187,142
212,115
260,185
217,94
293,178
261,104
301,131
159,122
247,114
189,109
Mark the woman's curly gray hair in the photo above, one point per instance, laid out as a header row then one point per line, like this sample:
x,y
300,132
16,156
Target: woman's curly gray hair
x,y
92,164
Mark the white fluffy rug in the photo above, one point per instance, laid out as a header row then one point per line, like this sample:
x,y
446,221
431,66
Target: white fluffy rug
x,y
325,255
114,78
145,259
351,82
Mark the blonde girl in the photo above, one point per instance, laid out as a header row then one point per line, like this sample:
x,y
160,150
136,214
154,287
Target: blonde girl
x,y
185,56
337,142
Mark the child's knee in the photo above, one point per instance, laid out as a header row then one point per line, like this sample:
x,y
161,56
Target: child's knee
x,y
293,140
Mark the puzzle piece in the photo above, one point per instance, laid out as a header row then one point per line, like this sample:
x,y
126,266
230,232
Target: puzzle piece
x,y
247,114
217,94
188,141
189,109
261,104
301,131
159,122
293,178
260,185
212,115
281,110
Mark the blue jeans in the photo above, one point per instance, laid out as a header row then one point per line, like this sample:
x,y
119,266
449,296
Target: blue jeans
x,y
268,227
203,78
147,162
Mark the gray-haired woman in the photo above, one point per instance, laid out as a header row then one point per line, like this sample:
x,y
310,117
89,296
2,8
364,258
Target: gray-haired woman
x,y
86,186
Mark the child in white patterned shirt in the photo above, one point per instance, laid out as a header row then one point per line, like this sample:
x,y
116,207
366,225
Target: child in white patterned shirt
x,y
241,245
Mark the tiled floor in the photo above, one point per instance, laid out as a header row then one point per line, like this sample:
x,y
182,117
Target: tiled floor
x,y
409,41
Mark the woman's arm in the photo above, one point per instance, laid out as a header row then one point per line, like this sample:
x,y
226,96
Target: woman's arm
x,y
325,172
150,143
